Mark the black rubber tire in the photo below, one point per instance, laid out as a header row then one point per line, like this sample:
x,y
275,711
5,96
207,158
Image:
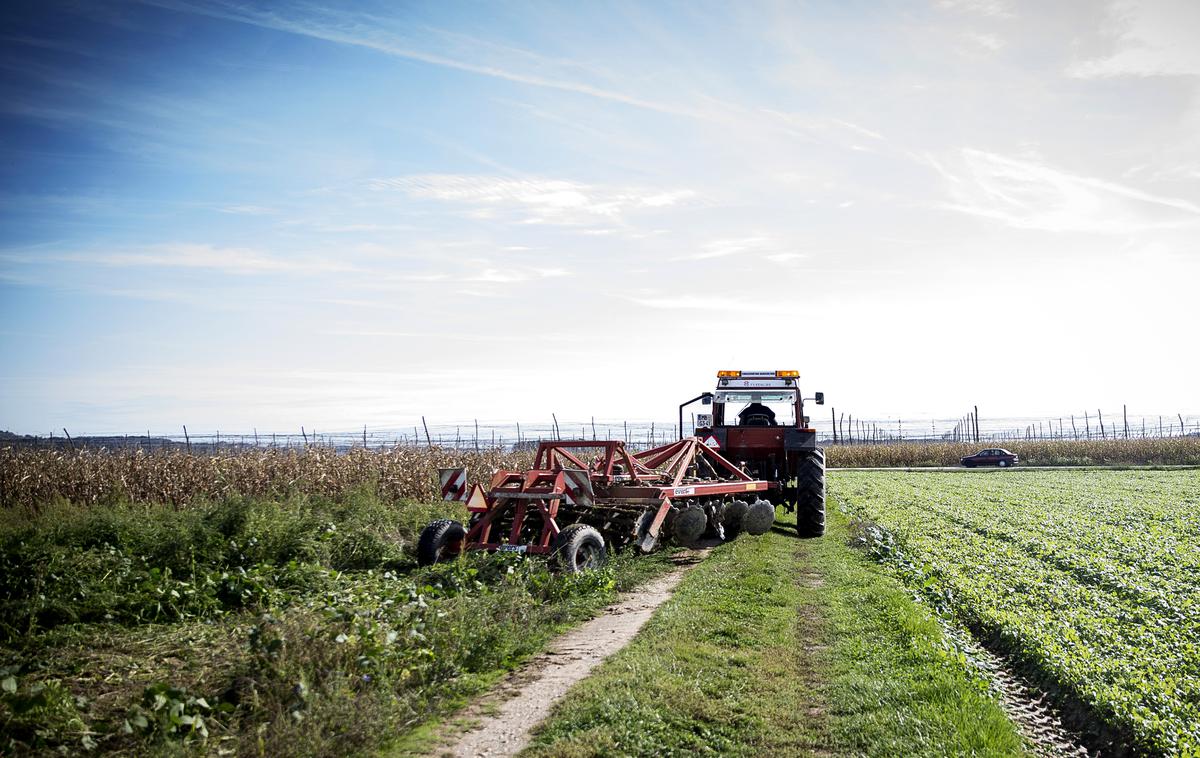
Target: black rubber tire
x,y
435,538
810,495
1003,464
579,547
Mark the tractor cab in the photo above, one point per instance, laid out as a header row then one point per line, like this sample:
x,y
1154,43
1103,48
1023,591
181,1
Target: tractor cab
x,y
757,398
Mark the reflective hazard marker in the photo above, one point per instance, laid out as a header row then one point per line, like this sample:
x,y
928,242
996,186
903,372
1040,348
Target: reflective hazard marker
x,y
454,483
477,501
578,487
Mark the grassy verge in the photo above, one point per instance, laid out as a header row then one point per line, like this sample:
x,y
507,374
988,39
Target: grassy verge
x,y
256,627
775,646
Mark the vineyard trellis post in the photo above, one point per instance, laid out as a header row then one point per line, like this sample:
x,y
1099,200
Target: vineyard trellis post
x,y
428,442
1100,416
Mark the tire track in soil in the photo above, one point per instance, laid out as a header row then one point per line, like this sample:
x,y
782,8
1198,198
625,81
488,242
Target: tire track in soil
x,y
1038,720
503,720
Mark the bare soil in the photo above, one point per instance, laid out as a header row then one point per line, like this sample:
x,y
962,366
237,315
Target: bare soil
x,y
500,723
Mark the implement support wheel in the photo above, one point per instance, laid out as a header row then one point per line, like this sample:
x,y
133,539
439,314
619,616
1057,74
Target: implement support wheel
x,y
440,540
579,547
810,494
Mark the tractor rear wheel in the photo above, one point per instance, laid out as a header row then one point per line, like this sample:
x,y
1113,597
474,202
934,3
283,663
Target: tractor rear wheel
x,y
441,539
810,495
579,547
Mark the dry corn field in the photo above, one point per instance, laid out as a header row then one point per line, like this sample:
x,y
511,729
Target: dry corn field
x,y
30,477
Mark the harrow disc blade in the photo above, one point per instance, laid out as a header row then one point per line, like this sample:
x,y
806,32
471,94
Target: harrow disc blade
x,y
759,517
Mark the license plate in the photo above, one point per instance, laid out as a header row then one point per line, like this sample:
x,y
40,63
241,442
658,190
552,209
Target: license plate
x,y
513,548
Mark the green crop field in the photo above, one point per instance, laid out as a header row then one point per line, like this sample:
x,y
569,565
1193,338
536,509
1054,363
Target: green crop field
x,y
1089,579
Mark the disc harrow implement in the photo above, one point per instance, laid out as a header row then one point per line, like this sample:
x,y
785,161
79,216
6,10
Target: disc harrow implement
x,y
583,498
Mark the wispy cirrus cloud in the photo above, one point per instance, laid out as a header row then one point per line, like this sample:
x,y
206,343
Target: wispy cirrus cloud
x,y
660,301
364,30
230,260
723,248
1029,194
1152,39
535,200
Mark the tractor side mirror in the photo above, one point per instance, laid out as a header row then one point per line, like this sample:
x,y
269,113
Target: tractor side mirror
x,y
820,398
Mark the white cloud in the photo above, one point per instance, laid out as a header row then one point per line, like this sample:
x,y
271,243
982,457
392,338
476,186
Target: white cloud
x,y
786,257
1031,195
722,248
232,260
247,210
363,30
994,8
536,200
512,275
1156,38
709,304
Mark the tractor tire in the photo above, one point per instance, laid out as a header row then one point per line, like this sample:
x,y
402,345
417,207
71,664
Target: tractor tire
x,y
579,547
435,538
810,495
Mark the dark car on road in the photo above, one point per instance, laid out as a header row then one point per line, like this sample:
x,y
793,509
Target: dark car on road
x,y
993,456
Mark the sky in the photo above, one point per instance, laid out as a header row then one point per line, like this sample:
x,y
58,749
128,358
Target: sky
x,y
238,215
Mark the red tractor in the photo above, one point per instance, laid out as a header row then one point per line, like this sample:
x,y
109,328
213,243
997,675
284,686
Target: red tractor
x,y
758,422
582,497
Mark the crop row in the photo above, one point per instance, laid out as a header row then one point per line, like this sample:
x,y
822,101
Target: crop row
x,y
1090,578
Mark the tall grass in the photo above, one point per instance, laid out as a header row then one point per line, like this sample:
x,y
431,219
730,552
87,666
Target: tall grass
x,y
1161,451
297,626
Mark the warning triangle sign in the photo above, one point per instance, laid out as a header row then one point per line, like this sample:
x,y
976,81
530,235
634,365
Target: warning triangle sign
x,y
711,441
476,501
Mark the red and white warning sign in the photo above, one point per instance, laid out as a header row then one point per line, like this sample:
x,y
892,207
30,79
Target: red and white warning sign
x,y
711,441
454,483
578,487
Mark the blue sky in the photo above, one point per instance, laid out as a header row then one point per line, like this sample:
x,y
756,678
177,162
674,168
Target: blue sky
x,y
237,215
